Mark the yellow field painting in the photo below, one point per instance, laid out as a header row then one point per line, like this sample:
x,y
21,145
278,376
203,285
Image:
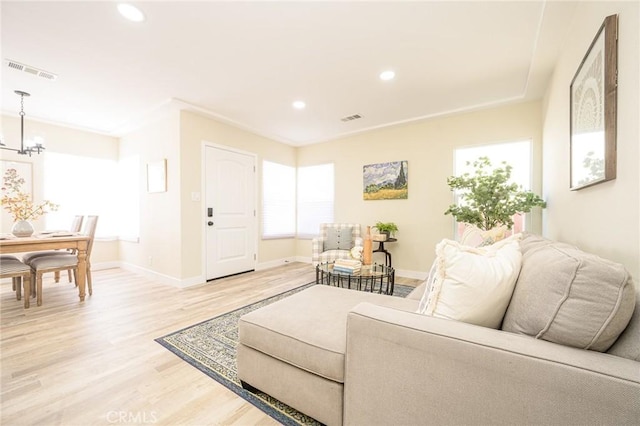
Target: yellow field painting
x,y
386,181
387,194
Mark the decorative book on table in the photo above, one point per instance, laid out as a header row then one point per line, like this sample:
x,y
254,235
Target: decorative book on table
x,y
347,266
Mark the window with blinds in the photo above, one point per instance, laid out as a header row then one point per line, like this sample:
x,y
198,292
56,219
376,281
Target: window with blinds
x,y
278,200
108,188
315,198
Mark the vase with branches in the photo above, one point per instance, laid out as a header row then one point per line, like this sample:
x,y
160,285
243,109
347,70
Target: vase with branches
x,y
19,204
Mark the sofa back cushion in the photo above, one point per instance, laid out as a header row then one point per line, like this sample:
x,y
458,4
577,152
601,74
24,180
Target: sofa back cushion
x,y
628,344
569,297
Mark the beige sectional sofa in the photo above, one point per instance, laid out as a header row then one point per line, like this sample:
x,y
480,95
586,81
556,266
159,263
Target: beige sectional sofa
x,y
567,351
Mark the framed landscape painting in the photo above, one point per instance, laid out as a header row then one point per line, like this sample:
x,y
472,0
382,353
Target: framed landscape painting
x,y
386,181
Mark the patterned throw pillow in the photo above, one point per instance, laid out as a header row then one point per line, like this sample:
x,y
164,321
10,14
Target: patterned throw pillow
x,y
339,239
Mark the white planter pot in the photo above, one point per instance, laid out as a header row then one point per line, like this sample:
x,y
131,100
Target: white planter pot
x,y
22,228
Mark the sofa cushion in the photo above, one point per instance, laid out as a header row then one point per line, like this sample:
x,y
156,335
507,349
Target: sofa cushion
x,y
282,329
570,297
628,344
332,255
472,284
339,238
418,292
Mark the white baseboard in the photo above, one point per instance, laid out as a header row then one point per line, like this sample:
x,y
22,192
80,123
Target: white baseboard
x,y
201,280
185,282
303,259
273,263
162,278
416,275
105,265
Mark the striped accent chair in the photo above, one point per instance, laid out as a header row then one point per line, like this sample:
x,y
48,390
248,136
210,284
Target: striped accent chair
x,y
335,242
11,267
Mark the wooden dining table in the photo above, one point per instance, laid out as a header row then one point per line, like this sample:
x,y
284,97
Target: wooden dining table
x,y
47,242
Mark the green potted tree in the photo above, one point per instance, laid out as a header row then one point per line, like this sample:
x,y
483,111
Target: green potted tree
x,y
489,200
386,228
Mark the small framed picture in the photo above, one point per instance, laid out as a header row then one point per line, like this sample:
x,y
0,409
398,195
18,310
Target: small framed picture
x,y
157,176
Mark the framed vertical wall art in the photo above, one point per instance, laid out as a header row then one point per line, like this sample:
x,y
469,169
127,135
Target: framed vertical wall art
x,y
157,176
593,110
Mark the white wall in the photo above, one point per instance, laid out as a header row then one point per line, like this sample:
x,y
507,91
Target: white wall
x,y
62,140
159,247
429,147
605,218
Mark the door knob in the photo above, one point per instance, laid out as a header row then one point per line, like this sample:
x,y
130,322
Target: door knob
x,y
210,223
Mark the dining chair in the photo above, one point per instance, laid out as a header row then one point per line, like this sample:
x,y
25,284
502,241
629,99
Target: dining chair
x,y
63,262
76,226
20,274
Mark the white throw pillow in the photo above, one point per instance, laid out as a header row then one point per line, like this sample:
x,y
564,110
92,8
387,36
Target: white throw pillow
x,y
473,284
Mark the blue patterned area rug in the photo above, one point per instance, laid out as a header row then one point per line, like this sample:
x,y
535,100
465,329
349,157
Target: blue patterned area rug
x,y
210,346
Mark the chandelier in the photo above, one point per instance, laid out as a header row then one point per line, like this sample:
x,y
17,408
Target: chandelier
x,y
31,145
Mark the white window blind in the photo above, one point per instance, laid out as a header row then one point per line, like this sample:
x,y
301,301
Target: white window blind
x,y
278,200
87,186
315,198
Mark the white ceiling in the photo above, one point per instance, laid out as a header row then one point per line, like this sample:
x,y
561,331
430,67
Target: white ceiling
x,y
246,62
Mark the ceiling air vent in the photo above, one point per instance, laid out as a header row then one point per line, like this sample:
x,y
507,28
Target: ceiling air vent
x,y
351,117
30,70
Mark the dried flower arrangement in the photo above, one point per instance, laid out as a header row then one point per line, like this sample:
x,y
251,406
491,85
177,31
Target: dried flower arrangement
x,y
18,203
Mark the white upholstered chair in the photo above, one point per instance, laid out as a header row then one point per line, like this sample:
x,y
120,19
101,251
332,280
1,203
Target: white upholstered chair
x,y
335,242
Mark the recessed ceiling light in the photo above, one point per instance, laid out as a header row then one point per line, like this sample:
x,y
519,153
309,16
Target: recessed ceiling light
x,y
387,75
130,12
299,105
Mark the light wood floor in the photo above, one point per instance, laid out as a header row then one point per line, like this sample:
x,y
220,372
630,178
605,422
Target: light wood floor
x,y
96,363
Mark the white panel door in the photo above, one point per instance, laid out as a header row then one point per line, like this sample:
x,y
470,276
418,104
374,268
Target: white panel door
x,y
230,212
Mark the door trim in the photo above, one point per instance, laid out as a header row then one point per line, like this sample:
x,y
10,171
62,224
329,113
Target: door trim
x,y
203,217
